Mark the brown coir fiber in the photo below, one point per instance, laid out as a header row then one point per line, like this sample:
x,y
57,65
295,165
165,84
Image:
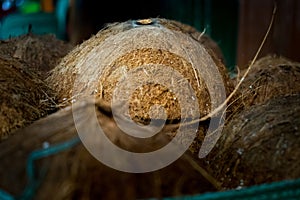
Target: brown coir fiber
x,y
145,50
76,174
269,77
260,144
24,97
41,52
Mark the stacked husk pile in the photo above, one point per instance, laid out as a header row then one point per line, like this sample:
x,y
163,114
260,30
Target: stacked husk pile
x,y
24,97
261,143
89,71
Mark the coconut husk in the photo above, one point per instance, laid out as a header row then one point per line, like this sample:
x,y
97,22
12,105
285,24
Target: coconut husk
x,y
41,52
101,78
24,97
270,76
147,51
259,145
75,173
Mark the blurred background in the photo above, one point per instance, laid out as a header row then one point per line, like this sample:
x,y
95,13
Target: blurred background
x,y
238,26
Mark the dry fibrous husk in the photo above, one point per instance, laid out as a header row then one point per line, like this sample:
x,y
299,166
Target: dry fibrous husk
x,y
24,97
99,63
270,76
145,63
75,173
261,144
41,52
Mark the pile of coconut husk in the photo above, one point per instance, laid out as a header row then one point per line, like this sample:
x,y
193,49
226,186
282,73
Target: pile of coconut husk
x,y
41,52
121,74
260,143
144,50
24,96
